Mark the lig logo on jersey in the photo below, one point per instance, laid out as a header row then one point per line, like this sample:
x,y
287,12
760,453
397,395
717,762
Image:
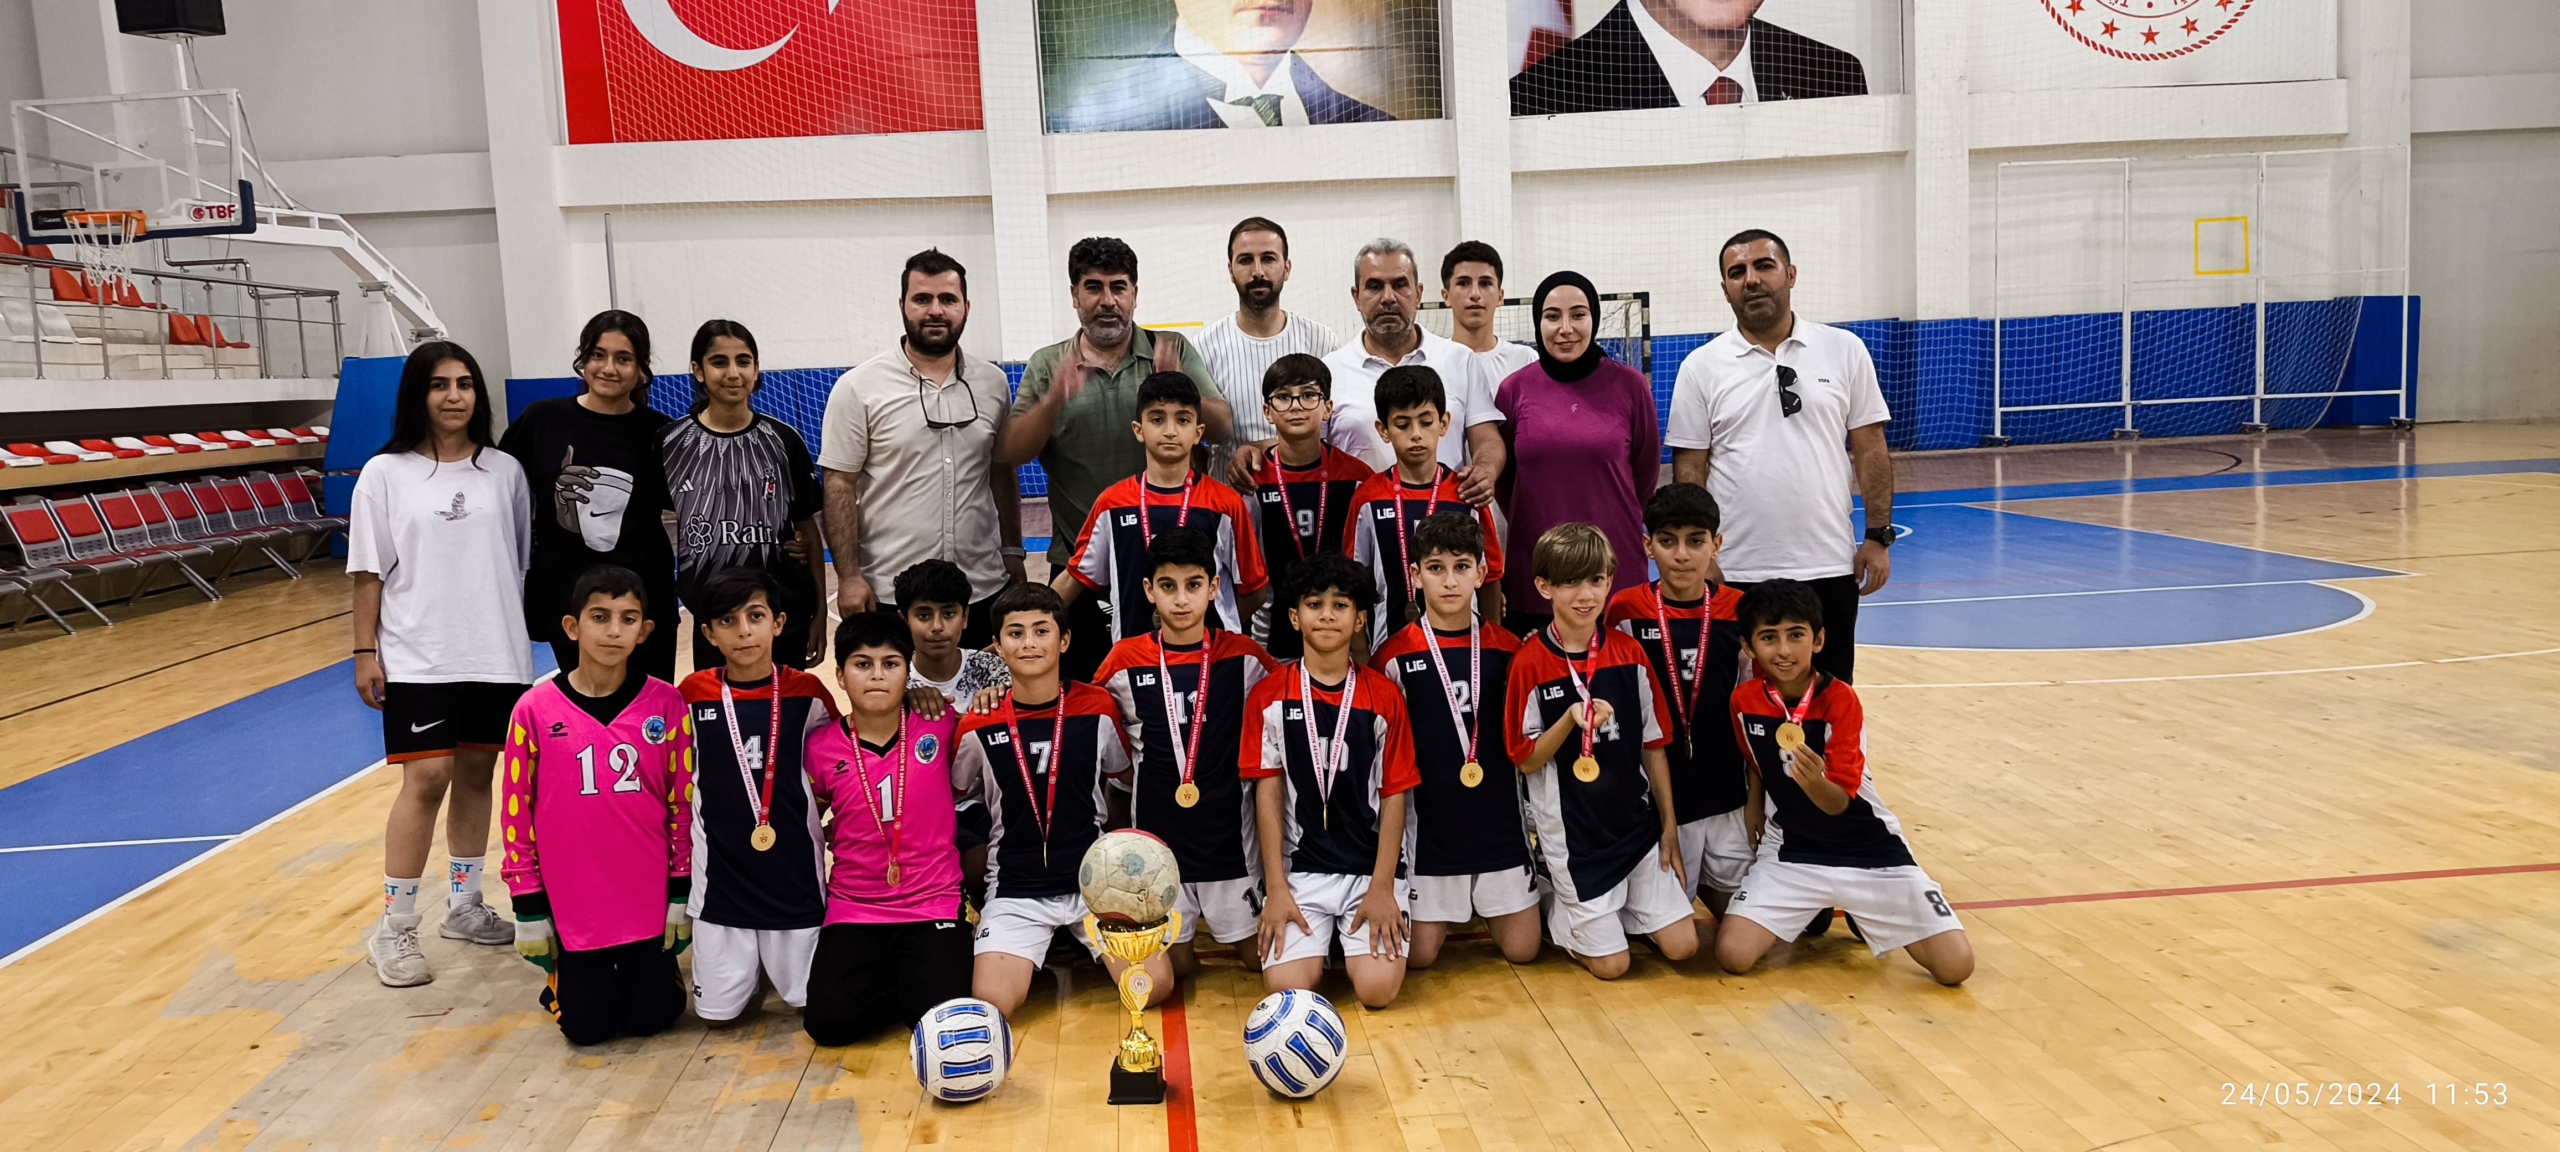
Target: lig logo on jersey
x,y
1143,679
1552,692
1128,519
709,715
928,746
654,729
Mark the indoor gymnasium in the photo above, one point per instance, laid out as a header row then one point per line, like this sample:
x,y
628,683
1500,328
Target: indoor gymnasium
x,y
1635,574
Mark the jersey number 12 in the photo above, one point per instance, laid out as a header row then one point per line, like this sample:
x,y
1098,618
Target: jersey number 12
x,y
625,762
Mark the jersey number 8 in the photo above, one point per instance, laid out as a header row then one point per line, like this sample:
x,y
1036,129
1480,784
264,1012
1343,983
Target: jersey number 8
x,y
625,762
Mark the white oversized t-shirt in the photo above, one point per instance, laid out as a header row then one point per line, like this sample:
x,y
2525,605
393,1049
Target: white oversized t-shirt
x,y
1783,482
450,541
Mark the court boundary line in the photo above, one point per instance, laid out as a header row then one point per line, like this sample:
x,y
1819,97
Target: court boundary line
x,y
2195,675
2255,886
191,862
117,843
2364,608
2385,574
2229,479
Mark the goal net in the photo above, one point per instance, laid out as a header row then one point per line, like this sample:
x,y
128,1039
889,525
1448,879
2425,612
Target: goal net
x,y
2198,295
1623,327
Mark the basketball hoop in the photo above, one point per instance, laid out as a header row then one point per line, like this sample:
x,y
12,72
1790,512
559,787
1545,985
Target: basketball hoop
x,y
103,242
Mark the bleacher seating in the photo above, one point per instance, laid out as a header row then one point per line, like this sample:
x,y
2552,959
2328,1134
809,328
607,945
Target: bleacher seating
x,y
79,327
123,544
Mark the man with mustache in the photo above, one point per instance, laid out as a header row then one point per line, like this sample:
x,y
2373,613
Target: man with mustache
x,y
1223,64
1386,285
1073,413
908,457
1759,415
1241,346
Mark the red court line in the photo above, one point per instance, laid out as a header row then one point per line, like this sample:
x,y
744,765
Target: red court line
x,y
2260,886
1181,1124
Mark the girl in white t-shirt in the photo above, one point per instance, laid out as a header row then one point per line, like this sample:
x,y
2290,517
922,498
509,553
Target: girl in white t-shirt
x,y
437,540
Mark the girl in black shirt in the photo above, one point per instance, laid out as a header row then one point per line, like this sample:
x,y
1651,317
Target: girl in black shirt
x,y
599,492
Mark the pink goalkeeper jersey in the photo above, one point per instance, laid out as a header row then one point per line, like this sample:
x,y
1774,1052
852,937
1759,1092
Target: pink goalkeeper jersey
x,y
599,816
863,794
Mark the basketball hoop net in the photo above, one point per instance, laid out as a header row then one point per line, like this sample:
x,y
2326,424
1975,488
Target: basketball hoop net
x,y
103,243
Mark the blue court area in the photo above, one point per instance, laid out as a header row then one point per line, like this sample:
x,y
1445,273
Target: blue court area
x,y
1967,576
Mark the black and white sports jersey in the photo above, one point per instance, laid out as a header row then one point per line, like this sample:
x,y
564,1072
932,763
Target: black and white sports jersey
x,y
734,885
1212,838
1592,832
736,496
1044,802
1459,829
1865,834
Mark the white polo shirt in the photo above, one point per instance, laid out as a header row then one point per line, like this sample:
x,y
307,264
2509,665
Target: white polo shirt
x,y
1355,385
1782,481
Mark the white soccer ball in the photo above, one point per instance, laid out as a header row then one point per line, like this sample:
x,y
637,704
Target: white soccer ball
x,y
1294,1042
962,1050
1129,879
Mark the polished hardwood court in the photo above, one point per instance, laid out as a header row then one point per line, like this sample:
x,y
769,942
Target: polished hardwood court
x,y
2191,874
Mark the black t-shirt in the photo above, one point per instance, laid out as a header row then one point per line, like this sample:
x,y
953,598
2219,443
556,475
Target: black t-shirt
x,y
604,708
599,492
736,497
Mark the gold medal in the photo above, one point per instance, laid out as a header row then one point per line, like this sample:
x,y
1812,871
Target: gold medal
x,y
892,874
1188,795
1790,735
1472,774
763,838
1586,769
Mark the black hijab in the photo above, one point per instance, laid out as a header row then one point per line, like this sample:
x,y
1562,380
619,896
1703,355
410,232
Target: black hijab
x,y
1568,371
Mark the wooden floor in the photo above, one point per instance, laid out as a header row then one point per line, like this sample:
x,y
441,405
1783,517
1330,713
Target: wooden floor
x,y
2061,797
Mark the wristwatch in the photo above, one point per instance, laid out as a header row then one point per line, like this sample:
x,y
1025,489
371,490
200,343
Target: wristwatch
x,y
1881,537
1014,552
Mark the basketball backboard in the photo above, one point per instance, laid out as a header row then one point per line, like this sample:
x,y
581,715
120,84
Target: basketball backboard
x,y
175,157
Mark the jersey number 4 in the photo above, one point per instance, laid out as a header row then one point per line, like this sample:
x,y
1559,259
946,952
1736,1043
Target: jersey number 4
x,y
624,760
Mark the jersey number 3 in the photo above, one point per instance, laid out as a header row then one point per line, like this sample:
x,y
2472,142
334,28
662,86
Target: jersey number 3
x,y
625,762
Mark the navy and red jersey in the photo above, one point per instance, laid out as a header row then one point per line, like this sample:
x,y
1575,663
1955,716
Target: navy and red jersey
x,y
1376,538
1707,770
1592,832
1033,849
1111,552
734,885
1211,839
1335,830
1865,834
1458,830
1293,500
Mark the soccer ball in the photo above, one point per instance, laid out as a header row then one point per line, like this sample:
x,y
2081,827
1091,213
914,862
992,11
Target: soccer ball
x,y
1129,879
962,1050
1294,1042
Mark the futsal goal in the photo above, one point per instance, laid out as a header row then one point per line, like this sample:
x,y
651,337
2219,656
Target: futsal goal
x,y
1623,325
2199,295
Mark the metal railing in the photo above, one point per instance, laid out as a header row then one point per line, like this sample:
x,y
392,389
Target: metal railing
x,y
292,332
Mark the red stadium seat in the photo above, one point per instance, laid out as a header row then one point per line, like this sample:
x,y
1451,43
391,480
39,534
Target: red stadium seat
x,y
67,288
40,452
96,445
183,330
165,442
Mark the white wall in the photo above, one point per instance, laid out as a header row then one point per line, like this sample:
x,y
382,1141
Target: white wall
x,y
21,78
336,78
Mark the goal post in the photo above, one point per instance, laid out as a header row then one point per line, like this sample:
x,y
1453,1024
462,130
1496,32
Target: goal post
x,y
1622,325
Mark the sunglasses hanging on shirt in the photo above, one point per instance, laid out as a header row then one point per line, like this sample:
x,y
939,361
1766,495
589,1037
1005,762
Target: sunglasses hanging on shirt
x,y
1788,402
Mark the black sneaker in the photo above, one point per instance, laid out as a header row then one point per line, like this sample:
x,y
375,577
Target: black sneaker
x,y
1820,925
1854,930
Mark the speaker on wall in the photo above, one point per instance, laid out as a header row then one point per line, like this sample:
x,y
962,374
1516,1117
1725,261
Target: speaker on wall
x,y
167,19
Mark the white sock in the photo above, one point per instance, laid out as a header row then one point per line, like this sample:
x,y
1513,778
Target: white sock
x,y
465,875
400,896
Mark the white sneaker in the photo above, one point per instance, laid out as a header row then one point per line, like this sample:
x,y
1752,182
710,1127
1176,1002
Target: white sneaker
x,y
476,923
394,952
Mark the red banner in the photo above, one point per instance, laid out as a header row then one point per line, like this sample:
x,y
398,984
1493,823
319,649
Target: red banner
x,y
748,69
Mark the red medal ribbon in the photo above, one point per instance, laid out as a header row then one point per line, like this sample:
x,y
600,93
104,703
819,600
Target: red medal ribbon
x,y
1468,733
894,826
1044,817
1404,557
1289,511
1796,714
1684,693
1199,702
1146,521
1581,689
772,745
1327,767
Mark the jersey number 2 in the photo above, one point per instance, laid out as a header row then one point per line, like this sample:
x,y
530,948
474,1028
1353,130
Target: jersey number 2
x,y
625,762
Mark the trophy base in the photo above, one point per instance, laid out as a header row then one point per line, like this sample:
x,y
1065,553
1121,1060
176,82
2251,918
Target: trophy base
x,y
1129,1087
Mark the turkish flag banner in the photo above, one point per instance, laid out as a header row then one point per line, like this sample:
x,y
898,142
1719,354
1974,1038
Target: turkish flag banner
x,y
634,70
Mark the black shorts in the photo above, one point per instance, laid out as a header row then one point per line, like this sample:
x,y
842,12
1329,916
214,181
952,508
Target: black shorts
x,y
867,977
423,721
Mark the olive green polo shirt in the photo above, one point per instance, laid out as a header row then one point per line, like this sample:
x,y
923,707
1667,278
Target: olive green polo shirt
x,y
1091,447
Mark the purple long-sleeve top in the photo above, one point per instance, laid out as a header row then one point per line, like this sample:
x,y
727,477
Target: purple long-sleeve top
x,y
1588,451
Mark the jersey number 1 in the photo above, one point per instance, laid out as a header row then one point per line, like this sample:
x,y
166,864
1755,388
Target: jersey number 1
x,y
625,762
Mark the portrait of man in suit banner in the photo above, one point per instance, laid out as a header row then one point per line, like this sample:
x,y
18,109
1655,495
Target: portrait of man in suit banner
x,y
1148,65
1676,54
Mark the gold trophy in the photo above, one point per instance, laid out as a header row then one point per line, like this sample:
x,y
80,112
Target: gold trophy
x,y
1129,881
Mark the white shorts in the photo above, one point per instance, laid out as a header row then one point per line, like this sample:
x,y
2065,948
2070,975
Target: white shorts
x,y
1647,901
1022,925
1896,907
1717,852
1230,909
1329,900
726,961
1458,899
